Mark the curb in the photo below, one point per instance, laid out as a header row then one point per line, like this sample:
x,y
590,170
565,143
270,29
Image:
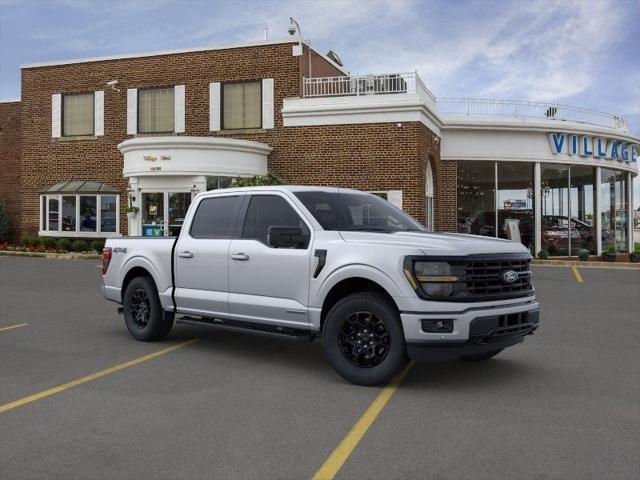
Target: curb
x,y
572,263
58,256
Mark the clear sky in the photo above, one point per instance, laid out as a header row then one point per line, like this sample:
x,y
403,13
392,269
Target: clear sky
x,y
579,52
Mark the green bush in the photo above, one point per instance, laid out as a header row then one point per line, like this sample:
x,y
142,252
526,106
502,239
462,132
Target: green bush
x,y
543,254
65,244
79,246
4,222
583,256
48,242
29,242
611,249
268,179
97,245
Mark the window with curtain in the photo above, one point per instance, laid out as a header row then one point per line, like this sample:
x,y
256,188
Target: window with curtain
x,y
241,105
77,114
156,110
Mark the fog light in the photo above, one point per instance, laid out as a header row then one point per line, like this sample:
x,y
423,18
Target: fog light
x,y
437,326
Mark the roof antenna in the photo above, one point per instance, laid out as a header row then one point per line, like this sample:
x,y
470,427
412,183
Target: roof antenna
x,y
266,33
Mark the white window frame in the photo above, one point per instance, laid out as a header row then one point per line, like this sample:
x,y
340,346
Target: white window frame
x,y
44,216
98,114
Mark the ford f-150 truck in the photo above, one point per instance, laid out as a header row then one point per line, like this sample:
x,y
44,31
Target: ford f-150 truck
x,y
349,267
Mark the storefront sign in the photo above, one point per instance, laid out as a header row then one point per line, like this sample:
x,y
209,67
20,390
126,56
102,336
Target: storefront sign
x,y
596,147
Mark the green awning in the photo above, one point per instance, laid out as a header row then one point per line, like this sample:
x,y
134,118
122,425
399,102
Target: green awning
x,y
81,186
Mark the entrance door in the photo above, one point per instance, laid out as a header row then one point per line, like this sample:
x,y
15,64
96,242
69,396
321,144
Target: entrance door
x,y
153,214
163,213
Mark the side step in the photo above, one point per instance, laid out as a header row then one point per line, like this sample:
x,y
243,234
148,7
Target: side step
x,y
251,328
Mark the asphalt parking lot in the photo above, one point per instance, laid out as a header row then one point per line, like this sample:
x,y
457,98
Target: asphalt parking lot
x,y
565,404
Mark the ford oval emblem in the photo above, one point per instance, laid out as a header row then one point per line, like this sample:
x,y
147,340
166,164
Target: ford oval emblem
x,y
509,276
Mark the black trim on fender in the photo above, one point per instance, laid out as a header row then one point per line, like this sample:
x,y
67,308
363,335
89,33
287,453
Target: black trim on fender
x,y
322,259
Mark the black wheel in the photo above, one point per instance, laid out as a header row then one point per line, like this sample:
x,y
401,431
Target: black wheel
x,y
143,314
363,339
479,357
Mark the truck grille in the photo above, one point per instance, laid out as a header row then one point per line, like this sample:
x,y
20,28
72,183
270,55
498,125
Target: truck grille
x,y
483,278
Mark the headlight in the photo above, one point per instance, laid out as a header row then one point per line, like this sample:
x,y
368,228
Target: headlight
x,y
435,278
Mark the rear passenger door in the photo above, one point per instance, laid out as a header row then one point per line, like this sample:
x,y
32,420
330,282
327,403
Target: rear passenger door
x,y
202,257
267,284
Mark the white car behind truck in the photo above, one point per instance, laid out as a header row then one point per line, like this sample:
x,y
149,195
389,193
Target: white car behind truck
x,y
349,267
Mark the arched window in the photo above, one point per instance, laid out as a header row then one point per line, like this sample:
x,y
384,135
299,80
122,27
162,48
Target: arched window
x,y
428,189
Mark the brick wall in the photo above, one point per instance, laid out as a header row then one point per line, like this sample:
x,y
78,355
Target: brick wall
x,y
368,157
10,162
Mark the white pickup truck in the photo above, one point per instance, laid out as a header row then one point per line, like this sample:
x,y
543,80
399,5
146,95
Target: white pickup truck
x,y
349,267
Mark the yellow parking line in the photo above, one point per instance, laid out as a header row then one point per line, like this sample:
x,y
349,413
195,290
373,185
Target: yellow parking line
x,y
74,383
334,463
11,327
577,274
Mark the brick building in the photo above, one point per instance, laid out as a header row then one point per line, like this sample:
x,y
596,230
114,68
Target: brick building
x,y
91,137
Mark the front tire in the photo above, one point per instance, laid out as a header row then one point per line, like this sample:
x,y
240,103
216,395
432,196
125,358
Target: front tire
x,y
143,314
363,339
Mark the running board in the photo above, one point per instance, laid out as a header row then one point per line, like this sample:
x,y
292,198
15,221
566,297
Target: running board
x,y
251,328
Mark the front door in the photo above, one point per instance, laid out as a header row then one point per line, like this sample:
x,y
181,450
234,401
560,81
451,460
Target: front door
x,y
163,213
202,257
266,284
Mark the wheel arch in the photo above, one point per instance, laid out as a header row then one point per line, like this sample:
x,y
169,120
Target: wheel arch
x,y
135,272
348,286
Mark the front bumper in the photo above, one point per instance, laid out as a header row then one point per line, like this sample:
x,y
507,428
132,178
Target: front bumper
x,y
448,351
476,329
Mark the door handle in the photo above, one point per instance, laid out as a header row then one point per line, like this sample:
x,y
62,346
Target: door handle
x,y
185,254
239,256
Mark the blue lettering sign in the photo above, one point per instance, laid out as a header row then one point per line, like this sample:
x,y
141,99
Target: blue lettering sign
x,y
557,142
624,152
586,147
601,147
614,149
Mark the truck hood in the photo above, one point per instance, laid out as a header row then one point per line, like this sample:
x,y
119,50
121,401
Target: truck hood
x,y
445,244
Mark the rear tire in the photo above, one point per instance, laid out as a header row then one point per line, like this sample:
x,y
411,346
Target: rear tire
x,y
480,357
143,314
363,339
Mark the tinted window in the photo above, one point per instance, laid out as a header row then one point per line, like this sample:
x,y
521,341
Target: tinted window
x,y
215,217
356,211
269,210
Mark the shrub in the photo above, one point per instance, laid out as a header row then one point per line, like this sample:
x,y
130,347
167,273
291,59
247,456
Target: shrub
x,y
583,256
48,242
79,246
97,245
543,254
268,179
29,242
611,250
4,222
65,244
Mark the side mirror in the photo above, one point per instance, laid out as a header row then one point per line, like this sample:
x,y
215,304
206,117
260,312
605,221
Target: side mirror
x,y
286,237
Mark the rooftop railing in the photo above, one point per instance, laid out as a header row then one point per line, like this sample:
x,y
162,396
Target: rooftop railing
x,y
528,109
357,85
401,83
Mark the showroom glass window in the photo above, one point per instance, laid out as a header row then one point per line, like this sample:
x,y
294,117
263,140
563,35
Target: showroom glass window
x,y
156,110
516,202
77,114
554,181
581,204
614,210
241,105
476,198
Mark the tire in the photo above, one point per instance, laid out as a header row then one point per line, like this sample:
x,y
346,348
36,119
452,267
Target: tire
x,y
143,314
347,321
480,357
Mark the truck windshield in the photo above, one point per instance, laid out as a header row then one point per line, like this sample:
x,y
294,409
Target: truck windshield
x,y
356,211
